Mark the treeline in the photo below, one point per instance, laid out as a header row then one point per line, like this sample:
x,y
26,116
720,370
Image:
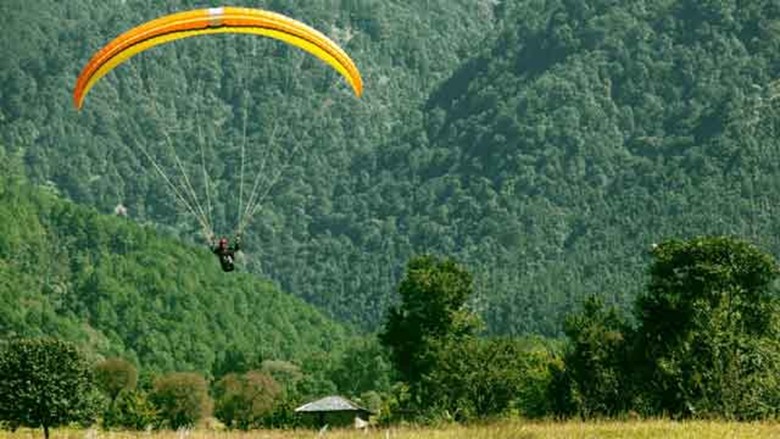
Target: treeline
x,y
121,289
47,382
704,342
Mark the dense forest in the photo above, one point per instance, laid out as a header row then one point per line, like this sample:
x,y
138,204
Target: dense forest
x,y
539,142
120,289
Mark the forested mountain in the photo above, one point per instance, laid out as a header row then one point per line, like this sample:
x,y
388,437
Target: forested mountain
x,y
118,288
546,144
552,161
587,136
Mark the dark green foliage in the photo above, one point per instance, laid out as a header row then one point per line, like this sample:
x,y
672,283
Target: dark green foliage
x,y
232,360
181,399
708,330
540,357
201,91
363,367
480,378
476,378
447,370
705,344
584,132
432,311
283,414
707,274
45,383
316,381
596,379
395,405
540,143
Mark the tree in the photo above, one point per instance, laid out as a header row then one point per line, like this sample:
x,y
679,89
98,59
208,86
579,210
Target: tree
x,y
181,399
113,376
708,330
232,360
475,377
596,381
432,313
134,410
241,401
363,367
45,382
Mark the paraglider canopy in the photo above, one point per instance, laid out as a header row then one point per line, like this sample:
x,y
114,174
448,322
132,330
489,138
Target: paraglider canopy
x,y
213,21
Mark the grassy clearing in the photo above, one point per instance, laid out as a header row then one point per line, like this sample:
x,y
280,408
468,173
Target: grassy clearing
x,y
498,430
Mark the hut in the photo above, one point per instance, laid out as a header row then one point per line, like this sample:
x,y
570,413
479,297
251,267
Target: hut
x,y
334,411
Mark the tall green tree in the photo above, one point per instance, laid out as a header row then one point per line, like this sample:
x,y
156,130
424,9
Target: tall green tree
x,y
433,307
708,329
432,313
45,382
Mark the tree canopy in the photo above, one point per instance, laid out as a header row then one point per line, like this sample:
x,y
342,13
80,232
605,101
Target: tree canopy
x,y
708,329
432,310
45,383
703,341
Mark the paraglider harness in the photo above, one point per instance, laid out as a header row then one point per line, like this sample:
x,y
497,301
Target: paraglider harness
x,y
227,254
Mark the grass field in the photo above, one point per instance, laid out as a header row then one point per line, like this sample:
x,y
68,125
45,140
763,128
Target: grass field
x,y
499,430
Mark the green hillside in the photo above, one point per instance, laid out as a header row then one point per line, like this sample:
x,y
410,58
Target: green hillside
x,y
544,143
122,289
587,133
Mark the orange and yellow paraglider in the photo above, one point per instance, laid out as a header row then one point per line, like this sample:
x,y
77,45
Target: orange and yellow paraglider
x,y
213,21
210,21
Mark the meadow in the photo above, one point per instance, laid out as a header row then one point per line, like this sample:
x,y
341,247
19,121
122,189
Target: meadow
x,y
497,430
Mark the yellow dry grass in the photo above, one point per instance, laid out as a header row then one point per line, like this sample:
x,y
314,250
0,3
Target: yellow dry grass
x,y
499,430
